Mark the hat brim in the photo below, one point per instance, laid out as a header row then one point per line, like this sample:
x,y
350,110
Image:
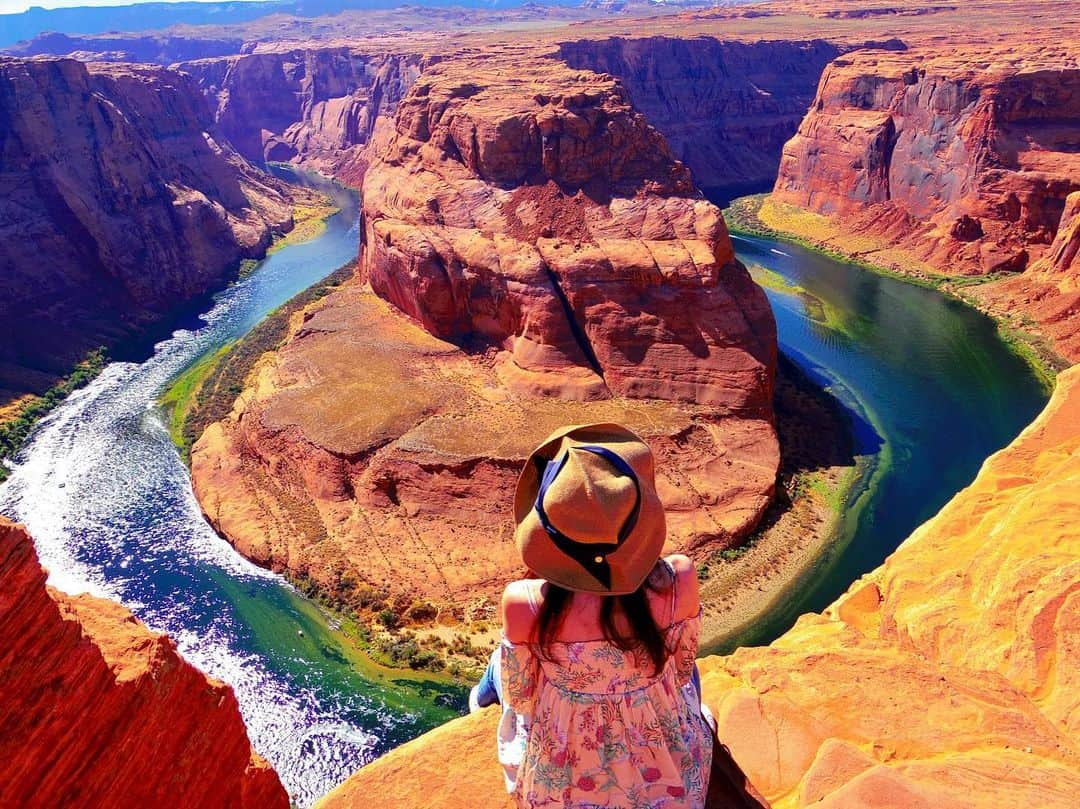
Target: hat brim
x,y
635,557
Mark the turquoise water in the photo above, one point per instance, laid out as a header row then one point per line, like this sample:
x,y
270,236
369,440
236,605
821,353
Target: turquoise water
x,y
932,390
109,502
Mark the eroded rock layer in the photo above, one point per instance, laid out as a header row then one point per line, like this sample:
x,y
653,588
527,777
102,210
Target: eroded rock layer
x,y
958,160
96,710
946,678
534,257
319,106
1049,291
117,205
725,108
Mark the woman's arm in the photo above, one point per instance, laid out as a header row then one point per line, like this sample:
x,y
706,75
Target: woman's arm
x,y
687,600
517,614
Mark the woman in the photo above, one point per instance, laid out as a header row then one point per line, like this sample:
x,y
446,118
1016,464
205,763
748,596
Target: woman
x,y
596,669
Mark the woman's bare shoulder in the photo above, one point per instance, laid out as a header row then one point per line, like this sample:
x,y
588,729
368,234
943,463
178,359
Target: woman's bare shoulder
x,y
687,600
517,611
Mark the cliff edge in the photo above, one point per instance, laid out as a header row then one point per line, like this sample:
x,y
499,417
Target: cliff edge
x,y
946,678
96,710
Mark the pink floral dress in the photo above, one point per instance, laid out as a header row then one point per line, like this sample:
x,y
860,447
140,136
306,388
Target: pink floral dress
x,y
597,728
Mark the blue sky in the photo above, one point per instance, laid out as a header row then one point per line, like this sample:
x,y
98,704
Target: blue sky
x,y
13,6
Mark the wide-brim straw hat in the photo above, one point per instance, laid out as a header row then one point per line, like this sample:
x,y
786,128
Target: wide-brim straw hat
x,y
588,517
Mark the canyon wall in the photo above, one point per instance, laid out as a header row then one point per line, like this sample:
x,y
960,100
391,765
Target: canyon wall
x,y
533,256
161,49
96,710
118,204
947,678
1048,292
316,106
955,160
726,108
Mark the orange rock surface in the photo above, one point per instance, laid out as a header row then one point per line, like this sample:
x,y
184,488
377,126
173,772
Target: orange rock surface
x,y
964,155
547,262
1048,292
96,710
949,677
546,217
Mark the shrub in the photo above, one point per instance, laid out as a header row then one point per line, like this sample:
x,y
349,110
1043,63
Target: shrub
x,y
388,618
422,612
427,659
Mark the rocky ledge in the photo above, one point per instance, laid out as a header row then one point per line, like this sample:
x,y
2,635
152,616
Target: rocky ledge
x,y
96,710
533,256
118,204
947,678
956,160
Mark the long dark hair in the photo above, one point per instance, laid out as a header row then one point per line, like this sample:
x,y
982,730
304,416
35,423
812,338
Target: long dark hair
x,y
644,633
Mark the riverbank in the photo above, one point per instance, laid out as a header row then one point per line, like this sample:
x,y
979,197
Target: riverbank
x,y
205,391
821,473
18,418
386,635
757,215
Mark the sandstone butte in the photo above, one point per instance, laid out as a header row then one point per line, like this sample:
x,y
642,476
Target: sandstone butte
x,y
936,142
960,160
948,677
532,256
96,710
119,203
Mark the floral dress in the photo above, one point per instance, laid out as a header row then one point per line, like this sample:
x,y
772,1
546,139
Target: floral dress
x,y
597,728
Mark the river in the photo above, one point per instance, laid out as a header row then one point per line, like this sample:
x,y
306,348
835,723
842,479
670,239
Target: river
x,y
932,390
110,505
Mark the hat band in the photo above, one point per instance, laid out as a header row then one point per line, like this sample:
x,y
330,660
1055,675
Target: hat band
x,y
590,555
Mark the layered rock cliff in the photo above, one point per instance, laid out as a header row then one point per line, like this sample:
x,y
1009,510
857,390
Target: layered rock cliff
x,y
317,106
534,257
1049,291
946,678
956,161
96,710
118,204
726,108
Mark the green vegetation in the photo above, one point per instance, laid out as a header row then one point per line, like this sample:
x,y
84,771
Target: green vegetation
x,y
15,429
205,392
834,494
306,630
819,311
309,221
247,267
771,279
180,397
383,629
1036,351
